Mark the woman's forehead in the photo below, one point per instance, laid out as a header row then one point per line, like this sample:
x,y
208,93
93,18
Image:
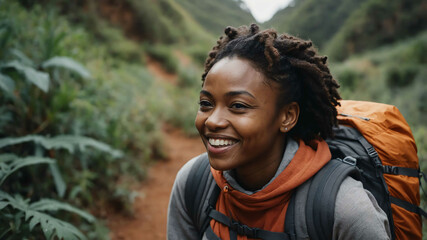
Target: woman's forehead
x,y
238,75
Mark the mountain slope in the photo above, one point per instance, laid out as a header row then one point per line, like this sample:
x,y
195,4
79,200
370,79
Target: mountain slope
x,y
378,22
342,28
317,20
214,16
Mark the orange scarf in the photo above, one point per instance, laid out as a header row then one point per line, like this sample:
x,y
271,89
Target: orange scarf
x,y
266,209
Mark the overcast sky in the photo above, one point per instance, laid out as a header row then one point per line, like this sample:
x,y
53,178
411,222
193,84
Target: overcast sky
x,y
263,10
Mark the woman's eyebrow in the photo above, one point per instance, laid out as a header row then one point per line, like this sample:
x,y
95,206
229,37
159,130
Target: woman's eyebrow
x,y
229,94
234,93
204,92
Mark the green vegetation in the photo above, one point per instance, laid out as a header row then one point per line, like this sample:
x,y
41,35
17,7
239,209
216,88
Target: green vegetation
x,y
62,123
214,16
343,28
317,20
376,23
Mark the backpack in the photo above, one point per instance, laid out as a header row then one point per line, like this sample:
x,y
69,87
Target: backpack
x,y
373,144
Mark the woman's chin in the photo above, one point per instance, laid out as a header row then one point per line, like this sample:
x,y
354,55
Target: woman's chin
x,y
219,164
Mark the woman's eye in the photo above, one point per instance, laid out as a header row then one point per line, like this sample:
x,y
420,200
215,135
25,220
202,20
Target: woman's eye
x,y
239,106
204,104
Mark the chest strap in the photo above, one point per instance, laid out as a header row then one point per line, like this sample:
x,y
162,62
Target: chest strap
x,y
237,228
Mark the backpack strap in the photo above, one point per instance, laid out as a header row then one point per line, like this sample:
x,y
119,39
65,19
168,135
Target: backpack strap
x,y
194,188
237,228
290,220
320,206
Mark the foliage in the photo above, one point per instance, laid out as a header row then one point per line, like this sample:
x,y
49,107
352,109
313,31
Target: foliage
x,y
23,217
343,28
314,19
375,23
55,112
400,76
164,55
189,77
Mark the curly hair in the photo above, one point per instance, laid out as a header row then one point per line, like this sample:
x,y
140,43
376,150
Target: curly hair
x,y
302,74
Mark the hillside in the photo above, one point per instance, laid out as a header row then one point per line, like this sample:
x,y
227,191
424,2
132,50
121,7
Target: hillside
x,y
317,20
346,27
214,16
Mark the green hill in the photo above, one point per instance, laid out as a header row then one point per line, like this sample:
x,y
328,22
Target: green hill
x,y
342,28
378,22
214,16
317,20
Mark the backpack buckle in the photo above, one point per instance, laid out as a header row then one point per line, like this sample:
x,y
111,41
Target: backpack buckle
x,y
244,230
350,160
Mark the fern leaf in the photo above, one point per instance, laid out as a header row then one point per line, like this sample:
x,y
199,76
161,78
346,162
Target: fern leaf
x,y
69,142
16,202
40,79
53,205
57,179
67,63
7,169
52,226
7,157
22,57
3,204
7,84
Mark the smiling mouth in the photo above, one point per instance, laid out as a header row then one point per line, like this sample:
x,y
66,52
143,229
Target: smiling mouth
x,y
220,142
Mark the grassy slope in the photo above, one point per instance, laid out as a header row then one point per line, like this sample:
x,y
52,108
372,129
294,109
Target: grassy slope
x,y
317,20
343,28
214,16
378,22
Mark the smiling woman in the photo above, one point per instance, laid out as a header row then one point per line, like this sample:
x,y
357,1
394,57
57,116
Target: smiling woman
x,y
267,103
238,105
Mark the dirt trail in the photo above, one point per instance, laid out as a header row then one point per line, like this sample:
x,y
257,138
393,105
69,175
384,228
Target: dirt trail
x,y
150,214
150,211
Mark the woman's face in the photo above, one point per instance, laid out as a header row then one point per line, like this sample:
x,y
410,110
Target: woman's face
x,y
238,119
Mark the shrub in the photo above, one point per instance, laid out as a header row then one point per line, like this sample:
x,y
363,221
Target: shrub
x,y
348,78
189,77
401,76
164,55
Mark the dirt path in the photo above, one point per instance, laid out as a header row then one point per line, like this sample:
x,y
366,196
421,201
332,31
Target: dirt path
x,y
149,221
150,211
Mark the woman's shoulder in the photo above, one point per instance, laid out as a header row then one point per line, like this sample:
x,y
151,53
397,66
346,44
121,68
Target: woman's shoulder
x,y
185,170
189,170
357,213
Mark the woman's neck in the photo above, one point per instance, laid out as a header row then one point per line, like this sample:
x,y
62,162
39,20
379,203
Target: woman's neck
x,y
253,179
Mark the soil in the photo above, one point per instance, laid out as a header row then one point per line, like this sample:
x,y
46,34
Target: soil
x,y
150,211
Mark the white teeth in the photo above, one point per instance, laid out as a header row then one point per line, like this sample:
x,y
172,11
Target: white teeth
x,y
221,142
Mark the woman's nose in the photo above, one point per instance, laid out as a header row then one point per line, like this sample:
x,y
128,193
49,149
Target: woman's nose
x,y
216,120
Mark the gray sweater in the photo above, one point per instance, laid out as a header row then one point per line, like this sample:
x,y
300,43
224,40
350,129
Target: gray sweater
x,y
357,214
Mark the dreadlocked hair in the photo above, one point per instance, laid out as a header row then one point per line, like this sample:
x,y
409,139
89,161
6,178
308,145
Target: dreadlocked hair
x,y
303,75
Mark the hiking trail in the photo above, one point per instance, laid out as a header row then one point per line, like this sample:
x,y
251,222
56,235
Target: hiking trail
x,y
150,211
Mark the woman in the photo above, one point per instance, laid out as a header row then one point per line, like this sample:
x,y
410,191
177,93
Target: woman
x,y
266,104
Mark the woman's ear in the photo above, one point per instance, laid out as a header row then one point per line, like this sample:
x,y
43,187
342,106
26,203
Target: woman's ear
x,y
289,116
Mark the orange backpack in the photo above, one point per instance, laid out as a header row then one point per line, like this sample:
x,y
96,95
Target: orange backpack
x,y
374,144
384,127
